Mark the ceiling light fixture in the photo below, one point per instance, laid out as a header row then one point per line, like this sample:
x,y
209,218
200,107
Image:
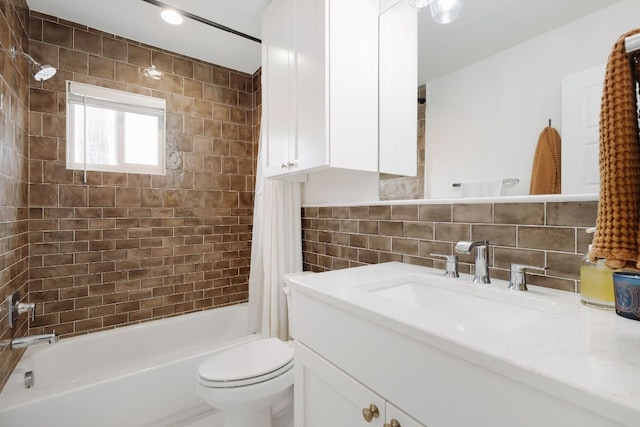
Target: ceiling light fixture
x,y
153,73
185,14
171,16
40,72
442,11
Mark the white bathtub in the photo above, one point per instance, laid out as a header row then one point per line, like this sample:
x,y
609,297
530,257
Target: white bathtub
x,y
141,375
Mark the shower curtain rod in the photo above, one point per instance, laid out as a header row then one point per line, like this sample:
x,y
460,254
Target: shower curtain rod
x,y
203,20
632,43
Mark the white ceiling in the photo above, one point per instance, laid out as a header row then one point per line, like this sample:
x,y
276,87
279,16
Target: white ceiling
x,y
484,28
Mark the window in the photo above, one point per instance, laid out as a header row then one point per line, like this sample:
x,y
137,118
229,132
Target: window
x,y
114,131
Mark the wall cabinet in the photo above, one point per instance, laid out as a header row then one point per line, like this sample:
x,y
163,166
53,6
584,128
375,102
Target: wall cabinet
x,y
326,396
325,83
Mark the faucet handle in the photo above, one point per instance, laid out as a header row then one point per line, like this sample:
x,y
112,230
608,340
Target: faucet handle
x,y
26,307
451,266
517,276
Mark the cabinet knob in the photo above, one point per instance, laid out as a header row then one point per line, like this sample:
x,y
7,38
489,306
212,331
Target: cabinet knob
x,y
283,166
370,413
393,423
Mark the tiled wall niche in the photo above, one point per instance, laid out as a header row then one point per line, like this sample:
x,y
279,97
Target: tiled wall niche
x,y
550,234
125,248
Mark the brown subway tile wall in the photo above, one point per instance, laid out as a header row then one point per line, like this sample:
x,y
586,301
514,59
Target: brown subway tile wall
x,y
126,248
14,172
548,234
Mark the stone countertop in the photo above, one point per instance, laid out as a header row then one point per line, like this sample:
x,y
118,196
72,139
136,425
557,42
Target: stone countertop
x,y
585,356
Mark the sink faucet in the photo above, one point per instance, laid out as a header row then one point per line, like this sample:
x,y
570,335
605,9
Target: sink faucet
x,y
21,342
481,270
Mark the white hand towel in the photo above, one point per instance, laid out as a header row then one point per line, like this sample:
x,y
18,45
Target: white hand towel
x,y
488,188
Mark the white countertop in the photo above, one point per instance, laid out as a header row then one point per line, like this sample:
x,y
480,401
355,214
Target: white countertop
x,y
586,356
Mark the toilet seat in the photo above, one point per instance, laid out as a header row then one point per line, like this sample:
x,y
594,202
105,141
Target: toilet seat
x,y
246,364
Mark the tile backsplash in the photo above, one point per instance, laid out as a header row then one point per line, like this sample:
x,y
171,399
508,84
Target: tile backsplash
x,y
544,234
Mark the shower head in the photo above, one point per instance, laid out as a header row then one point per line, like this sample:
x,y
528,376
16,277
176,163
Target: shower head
x,y
43,72
40,72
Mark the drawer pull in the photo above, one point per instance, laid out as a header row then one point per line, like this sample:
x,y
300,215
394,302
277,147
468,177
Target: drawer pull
x,y
370,413
394,423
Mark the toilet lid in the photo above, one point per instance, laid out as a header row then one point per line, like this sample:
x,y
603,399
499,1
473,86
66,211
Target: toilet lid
x,y
250,360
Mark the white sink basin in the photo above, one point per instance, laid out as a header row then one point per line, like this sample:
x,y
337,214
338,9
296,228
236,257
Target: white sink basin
x,y
469,306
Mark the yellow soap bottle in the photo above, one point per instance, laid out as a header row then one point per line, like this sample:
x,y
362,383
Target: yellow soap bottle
x,y
596,282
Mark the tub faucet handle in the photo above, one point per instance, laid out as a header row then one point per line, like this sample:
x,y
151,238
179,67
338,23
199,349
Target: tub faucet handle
x,y
451,266
15,308
26,307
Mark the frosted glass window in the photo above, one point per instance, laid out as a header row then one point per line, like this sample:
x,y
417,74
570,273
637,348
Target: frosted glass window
x,y
115,131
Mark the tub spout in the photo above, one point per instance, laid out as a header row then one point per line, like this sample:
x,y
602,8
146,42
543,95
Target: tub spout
x,y
22,342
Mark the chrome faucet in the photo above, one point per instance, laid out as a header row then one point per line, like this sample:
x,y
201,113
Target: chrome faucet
x,y
451,266
481,269
15,308
517,276
22,342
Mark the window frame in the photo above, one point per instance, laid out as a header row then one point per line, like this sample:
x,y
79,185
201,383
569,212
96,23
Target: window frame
x,y
121,102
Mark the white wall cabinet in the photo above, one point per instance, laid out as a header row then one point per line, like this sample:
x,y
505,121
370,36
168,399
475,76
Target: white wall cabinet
x,y
322,87
326,396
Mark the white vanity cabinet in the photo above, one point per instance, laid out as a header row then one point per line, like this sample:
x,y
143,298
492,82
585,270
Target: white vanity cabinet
x,y
354,349
324,85
326,396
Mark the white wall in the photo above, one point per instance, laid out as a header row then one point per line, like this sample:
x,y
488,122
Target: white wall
x,y
483,121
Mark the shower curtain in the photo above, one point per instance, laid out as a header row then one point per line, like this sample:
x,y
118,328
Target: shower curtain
x,y
276,250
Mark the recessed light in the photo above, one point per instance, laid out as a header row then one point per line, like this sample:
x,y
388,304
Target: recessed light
x,y
171,16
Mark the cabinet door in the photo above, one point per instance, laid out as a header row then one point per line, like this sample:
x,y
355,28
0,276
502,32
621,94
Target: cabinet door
x,y
326,396
402,419
398,90
278,86
311,148
353,79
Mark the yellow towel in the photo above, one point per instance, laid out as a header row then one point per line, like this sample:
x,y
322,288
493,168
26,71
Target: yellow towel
x,y
617,233
546,171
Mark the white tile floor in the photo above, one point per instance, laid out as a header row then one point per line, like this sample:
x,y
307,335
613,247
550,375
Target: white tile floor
x,y
210,419
204,416
216,419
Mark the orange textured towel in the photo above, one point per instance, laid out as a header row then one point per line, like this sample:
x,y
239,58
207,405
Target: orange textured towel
x,y
546,171
617,233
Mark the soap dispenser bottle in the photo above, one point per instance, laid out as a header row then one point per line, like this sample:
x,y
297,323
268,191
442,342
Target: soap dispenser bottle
x,y
596,282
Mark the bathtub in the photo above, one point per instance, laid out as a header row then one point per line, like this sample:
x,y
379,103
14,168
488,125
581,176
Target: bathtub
x,y
140,375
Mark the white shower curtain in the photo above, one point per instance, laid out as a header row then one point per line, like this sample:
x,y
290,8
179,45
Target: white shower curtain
x,y
276,250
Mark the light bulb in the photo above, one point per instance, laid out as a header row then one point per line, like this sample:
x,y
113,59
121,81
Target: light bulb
x,y
171,16
445,11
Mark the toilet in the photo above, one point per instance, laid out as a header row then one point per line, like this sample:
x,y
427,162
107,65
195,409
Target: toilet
x,y
249,382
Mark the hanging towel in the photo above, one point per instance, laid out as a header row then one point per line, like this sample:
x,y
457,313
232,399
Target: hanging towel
x,y
545,174
617,231
489,188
